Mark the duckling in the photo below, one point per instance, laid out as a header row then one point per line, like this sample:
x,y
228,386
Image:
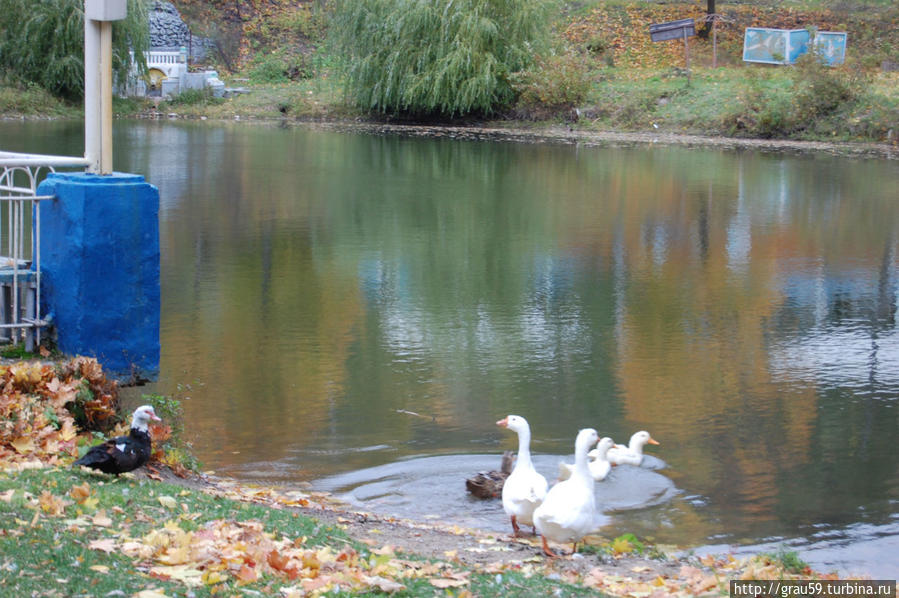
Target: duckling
x,y
489,484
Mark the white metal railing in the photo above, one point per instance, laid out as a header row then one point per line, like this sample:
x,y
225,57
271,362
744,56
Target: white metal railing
x,y
20,250
159,57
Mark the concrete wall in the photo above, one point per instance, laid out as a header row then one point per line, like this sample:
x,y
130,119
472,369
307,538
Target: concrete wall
x,y
100,269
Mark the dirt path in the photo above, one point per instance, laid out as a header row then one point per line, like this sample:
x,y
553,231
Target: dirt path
x,y
621,574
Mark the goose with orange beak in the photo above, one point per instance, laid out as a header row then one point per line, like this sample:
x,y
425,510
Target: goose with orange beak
x,y
632,454
525,488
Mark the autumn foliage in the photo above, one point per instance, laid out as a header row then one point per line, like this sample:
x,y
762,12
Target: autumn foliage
x,y
45,407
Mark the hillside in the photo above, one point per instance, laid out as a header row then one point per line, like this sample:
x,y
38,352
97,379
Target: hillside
x,y
602,74
613,31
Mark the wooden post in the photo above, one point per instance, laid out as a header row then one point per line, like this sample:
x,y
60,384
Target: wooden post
x,y
92,137
98,17
687,53
714,41
106,97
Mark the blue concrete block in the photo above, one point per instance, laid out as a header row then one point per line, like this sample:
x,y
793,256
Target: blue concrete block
x,y
100,265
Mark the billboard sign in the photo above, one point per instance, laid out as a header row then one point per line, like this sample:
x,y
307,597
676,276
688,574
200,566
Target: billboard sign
x,y
774,46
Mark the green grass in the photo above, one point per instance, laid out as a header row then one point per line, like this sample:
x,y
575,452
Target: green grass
x,y
788,559
47,553
36,557
31,100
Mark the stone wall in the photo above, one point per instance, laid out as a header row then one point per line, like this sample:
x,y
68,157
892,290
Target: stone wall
x,y
168,31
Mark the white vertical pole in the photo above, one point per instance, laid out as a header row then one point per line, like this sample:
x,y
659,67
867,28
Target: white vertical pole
x,y
92,137
106,97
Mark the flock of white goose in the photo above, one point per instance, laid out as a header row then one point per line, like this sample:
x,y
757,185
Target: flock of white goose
x,y
567,511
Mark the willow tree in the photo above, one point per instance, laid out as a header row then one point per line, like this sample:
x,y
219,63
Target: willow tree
x,y
43,43
436,57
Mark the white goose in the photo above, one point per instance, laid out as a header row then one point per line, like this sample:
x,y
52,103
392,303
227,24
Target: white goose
x,y
524,489
598,465
632,454
568,513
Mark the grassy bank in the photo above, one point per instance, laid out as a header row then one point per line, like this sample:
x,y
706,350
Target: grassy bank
x,y
69,532
72,533
800,103
604,74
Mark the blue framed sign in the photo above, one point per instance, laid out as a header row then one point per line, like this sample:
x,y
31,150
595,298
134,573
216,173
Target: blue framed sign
x,y
831,46
774,46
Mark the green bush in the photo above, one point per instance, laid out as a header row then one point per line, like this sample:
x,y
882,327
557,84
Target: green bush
x,y
278,68
822,89
28,98
436,57
554,86
810,99
193,97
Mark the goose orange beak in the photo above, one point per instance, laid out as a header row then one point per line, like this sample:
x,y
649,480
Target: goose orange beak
x,y
652,441
503,423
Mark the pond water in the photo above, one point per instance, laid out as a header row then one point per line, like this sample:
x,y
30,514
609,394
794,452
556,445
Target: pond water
x,y
357,311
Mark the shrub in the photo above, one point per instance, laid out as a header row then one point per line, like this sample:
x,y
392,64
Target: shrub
x,y
554,86
169,444
193,97
821,89
278,68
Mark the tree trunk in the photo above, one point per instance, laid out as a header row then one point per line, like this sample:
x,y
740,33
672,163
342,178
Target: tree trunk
x,y
706,29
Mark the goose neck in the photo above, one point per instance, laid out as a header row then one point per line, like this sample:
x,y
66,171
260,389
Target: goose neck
x,y
524,447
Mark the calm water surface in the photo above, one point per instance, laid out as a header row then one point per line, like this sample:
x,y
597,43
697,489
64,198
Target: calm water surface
x,y
357,311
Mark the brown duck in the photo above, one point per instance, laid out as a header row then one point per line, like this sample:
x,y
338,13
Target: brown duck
x,y
489,484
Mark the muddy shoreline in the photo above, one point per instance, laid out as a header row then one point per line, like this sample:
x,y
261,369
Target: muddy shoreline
x,y
568,135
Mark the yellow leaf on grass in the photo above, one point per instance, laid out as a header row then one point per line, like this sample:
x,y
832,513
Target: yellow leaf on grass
x,y
100,519
52,504
99,568
23,444
106,545
384,584
168,502
137,549
213,577
68,431
80,493
186,574
445,582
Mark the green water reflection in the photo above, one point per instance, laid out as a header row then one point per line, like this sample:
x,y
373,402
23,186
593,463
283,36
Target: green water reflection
x,y
741,306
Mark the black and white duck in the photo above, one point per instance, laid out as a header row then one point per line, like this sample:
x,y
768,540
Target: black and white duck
x,y
123,453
